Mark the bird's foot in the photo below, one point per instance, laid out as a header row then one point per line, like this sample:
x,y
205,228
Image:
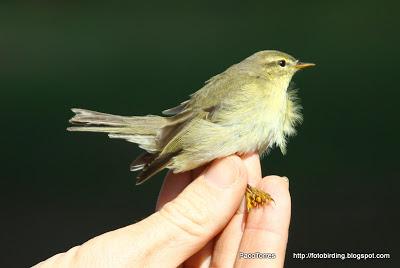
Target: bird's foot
x,y
256,198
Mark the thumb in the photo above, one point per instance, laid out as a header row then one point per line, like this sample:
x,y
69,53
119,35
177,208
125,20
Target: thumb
x,y
173,234
202,210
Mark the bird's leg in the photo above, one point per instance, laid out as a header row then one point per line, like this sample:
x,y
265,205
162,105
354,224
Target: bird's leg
x,y
256,198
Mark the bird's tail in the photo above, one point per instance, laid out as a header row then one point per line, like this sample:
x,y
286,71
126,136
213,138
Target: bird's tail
x,y
142,130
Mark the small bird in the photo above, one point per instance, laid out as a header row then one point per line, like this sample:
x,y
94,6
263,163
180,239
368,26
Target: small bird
x,y
247,108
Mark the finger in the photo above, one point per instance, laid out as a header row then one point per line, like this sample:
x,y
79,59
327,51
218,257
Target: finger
x,y
201,258
253,166
227,243
172,186
202,210
266,229
180,229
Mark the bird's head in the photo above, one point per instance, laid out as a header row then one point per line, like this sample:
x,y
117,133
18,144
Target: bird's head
x,y
275,64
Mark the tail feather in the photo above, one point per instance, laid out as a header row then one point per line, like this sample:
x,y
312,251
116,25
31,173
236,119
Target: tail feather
x,y
101,129
87,117
146,142
142,161
142,130
155,166
142,125
150,132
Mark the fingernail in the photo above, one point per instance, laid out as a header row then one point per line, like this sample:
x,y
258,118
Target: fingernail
x,y
285,179
224,172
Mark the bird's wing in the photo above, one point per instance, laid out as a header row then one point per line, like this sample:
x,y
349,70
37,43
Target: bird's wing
x,y
215,90
169,140
210,103
226,99
199,95
177,109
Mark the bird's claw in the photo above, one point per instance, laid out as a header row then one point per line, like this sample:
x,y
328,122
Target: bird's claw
x,y
256,198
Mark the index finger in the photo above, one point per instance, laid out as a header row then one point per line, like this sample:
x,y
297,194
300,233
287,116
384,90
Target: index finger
x,y
174,184
266,229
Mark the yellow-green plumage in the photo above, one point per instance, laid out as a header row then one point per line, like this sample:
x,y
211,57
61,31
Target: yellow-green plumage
x,y
247,108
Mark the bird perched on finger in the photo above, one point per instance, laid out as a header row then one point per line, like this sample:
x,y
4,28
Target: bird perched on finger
x,y
246,108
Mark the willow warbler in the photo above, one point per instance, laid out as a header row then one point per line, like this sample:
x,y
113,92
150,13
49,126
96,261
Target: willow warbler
x,y
247,108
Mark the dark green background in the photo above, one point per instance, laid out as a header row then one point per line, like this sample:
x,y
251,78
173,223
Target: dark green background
x,y
59,189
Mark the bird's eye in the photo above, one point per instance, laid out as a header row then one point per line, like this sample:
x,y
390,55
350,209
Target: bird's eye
x,y
282,63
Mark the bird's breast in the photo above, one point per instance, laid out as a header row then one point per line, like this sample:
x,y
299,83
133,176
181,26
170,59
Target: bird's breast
x,y
262,125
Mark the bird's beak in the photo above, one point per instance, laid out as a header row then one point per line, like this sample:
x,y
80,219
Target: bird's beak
x,y
303,65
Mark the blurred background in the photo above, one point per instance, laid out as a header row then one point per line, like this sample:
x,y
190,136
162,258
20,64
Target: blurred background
x,y
59,189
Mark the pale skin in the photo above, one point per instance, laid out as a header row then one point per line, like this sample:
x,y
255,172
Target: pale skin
x,y
200,221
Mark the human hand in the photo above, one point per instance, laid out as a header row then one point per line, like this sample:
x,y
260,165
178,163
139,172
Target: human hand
x,y
198,223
